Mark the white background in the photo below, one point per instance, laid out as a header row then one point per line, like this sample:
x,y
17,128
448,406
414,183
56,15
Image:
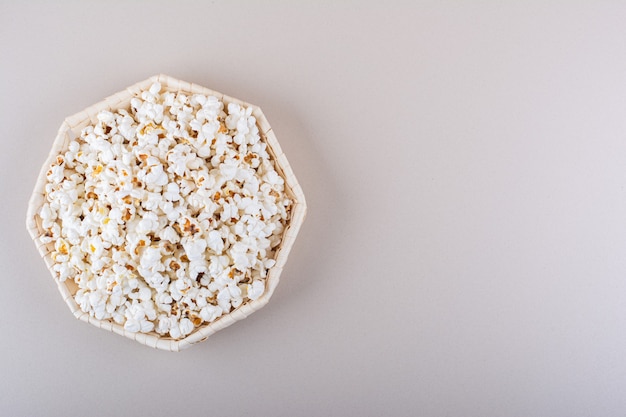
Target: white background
x,y
464,164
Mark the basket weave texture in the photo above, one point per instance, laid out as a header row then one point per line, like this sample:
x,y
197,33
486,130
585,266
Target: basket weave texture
x,y
70,129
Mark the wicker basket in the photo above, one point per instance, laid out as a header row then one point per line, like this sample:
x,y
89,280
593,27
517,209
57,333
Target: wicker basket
x,y
70,129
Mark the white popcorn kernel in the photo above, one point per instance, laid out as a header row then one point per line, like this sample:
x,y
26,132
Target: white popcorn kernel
x,y
215,242
239,255
136,320
156,176
48,216
186,326
145,294
198,99
223,299
256,289
195,249
73,147
132,325
197,268
172,192
163,324
63,269
106,117
82,299
183,285
150,201
155,88
56,174
272,178
169,234
229,211
218,264
163,302
148,224
151,257
62,247
210,313
228,171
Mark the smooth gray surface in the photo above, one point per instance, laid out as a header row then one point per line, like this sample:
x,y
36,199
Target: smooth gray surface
x,y
465,170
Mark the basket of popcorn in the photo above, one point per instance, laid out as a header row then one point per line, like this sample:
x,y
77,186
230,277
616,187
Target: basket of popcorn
x,y
166,212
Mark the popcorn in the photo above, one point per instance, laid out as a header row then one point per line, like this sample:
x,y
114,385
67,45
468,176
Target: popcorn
x,y
166,215
215,242
255,290
210,312
195,249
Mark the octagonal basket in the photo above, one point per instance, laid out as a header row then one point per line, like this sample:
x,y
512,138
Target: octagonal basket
x,y
70,129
